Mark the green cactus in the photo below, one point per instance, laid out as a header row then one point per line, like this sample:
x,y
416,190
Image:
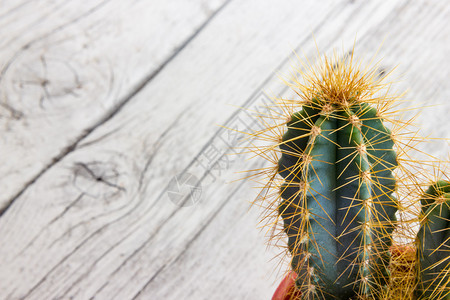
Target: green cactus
x,y
337,201
433,243
332,175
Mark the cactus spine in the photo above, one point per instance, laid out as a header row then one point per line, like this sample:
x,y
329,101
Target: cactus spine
x,y
433,243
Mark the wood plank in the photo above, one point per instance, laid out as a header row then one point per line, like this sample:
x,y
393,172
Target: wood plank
x,y
100,222
68,66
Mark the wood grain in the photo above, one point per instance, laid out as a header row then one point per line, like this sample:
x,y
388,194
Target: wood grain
x,y
68,66
99,221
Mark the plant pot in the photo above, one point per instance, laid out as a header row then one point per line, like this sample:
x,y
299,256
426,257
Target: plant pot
x,y
286,290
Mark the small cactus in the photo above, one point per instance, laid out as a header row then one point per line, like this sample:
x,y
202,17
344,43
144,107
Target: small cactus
x,y
337,161
433,243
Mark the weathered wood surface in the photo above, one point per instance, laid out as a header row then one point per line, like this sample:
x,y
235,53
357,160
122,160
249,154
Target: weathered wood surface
x,y
104,103
68,66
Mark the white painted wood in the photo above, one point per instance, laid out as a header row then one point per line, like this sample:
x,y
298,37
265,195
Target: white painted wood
x,y
65,66
100,223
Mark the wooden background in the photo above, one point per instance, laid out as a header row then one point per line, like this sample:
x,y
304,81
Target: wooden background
x,y
110,114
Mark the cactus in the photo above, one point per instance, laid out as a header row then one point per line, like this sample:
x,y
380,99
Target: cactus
x,y
335,193
336,197
337,161
433,243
